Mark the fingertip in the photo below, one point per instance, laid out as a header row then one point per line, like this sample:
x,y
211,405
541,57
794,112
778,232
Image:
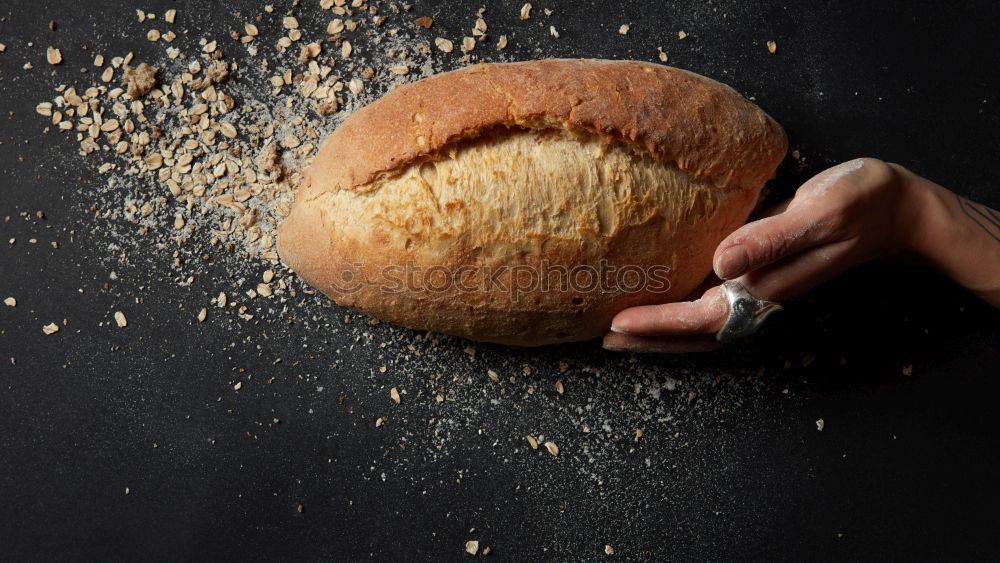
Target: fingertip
x,y
731,263
623,322
613,342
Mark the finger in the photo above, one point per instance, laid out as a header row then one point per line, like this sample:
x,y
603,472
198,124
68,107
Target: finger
x,y
704,315
778,282
617,342
796,275
710,281
768,240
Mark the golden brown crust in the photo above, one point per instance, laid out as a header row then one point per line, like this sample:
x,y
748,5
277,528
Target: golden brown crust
x,y
684,161
701,126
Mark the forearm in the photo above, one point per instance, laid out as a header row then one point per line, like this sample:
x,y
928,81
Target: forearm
x,y
958,237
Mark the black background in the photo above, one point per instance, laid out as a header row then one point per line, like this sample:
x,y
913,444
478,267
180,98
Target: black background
x,y
905,469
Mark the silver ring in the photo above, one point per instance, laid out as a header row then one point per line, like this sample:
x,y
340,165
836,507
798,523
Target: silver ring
x,y
746,312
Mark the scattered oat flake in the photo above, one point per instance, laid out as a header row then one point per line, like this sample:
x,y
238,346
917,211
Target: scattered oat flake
x,y
468,44
560,388
120,319
379,422
53,55
202,315
170,16
444,45
772,47
532,442
502,42
552,447
820,424
472,547
290,22
399,69
553,32
10,302
609,550
424,22
238,386
662,56
681,35
526,11
394,395
222,299
50,328
623,29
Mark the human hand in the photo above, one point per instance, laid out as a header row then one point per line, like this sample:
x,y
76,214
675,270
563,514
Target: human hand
x,y
848,214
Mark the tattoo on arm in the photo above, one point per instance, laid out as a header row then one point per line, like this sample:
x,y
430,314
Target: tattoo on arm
x,y
985,218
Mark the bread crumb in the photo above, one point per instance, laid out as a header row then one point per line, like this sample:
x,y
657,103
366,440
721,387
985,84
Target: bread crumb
x,y
623,29
120,319
681,35
472,547
820,424
269,160
50,328
772,47
139,80
217,73
10,302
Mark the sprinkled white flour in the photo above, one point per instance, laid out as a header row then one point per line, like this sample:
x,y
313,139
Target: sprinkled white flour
x,y
199,168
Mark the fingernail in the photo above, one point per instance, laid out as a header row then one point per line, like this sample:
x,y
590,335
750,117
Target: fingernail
x,y
618,329
731,263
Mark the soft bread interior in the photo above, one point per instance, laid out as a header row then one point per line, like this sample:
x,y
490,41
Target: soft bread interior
x,y
501,190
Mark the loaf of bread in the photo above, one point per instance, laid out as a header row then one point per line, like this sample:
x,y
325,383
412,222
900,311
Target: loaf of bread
x,y
528,203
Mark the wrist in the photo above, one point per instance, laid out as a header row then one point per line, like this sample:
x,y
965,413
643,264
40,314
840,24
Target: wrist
x,y
921,217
